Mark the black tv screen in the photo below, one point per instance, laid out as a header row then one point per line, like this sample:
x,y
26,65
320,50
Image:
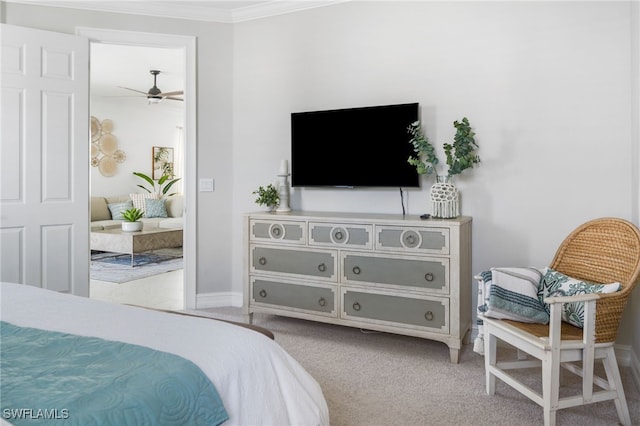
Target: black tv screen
x,y
354,147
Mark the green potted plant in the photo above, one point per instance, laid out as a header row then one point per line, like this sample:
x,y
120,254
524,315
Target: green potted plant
x,y
460,156
132,220
267,196
158,189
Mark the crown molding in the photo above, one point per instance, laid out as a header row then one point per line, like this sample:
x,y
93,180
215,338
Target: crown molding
x,y
273,8
191,11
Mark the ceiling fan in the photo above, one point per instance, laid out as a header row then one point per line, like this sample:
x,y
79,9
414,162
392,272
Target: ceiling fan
x,y
155,95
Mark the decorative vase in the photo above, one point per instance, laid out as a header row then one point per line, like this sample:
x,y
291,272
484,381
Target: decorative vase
x,y
445,198
131,226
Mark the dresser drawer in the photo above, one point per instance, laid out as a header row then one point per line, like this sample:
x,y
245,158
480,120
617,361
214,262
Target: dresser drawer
x,y
294,296
412,239
382,308
404,271
317,264
336,235
292,232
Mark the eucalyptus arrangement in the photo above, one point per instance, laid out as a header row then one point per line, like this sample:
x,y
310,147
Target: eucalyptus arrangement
x,y
267,196
460,155
158,188
445,197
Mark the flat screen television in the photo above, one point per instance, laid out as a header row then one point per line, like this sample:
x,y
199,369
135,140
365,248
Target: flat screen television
x,y
353,147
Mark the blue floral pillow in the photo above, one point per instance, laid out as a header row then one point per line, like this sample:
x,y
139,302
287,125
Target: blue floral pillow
x,y
116,209
554,283
155,208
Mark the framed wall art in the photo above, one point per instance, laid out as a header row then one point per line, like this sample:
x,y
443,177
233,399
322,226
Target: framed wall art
x,y
162,162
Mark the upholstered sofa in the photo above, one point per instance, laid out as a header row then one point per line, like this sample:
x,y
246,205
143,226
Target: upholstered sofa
x,y
103,207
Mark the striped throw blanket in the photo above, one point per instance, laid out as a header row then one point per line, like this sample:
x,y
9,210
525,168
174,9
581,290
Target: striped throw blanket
x,y
509,293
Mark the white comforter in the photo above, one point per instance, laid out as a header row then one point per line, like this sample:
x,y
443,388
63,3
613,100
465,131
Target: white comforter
x,y
259,383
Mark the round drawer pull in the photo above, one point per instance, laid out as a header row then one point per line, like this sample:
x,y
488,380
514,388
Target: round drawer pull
x,y
428,276
262,261
356,306
356,270
276,231
322,301
411,239
263,293
339,235
428,316
322,267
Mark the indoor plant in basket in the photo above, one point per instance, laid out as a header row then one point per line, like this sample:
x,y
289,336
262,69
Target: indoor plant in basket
x,y
445,198
267,196
132,220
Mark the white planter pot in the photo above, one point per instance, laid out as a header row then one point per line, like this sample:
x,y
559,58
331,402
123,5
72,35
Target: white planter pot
x,y
131,226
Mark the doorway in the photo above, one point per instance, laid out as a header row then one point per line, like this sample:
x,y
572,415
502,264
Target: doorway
x,y
185,46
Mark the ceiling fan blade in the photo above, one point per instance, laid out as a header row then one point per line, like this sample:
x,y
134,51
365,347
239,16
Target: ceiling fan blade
x,y
133,90
174,99
178,92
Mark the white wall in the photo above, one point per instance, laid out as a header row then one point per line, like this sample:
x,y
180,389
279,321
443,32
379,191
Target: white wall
x,y
632,313
545,85
138,127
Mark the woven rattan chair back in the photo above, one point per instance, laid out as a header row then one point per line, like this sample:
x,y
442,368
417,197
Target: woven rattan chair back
x,y
603,251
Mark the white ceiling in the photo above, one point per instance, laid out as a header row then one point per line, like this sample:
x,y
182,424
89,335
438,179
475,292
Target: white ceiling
x,y
128,66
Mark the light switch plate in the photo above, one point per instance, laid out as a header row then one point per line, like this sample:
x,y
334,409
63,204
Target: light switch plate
x,y
206,185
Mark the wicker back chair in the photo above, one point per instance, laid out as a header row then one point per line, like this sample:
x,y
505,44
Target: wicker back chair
x,y
601,251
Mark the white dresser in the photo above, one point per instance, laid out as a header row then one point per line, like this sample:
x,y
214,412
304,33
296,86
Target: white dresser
x,y
391,273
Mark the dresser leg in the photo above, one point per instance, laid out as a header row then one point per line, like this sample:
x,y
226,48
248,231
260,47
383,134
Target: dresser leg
x,y
455,355
248,318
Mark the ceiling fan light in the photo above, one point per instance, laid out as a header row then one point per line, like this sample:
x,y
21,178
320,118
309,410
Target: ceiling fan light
x,y
154,99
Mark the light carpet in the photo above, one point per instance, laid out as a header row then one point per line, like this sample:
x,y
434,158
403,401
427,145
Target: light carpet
x,y
372,379
114,268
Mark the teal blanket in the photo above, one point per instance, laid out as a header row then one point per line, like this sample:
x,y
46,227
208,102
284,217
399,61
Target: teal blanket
x,y
56,378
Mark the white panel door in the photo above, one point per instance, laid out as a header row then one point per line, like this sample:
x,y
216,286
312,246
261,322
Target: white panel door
x,y
44,159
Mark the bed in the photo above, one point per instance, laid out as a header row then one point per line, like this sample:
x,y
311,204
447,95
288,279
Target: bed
x,y
258,383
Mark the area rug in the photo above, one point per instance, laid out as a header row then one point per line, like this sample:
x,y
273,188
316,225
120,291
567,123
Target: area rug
x,y
116,268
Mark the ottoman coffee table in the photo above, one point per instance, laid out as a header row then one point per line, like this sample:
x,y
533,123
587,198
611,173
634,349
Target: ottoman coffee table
x,y
117,241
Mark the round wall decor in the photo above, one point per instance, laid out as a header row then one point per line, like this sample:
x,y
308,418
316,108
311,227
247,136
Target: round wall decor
x,y
105,154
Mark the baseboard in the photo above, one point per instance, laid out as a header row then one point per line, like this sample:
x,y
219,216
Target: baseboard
x,y
634,365
216,300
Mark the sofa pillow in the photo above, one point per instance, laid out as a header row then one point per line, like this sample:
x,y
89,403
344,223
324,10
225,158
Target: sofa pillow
x,y
139,200
555,283
174,205
99,209
116,209
155,208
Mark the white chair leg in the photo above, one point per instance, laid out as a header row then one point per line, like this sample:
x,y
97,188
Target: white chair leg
x,y
490,355
615,383
550,387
